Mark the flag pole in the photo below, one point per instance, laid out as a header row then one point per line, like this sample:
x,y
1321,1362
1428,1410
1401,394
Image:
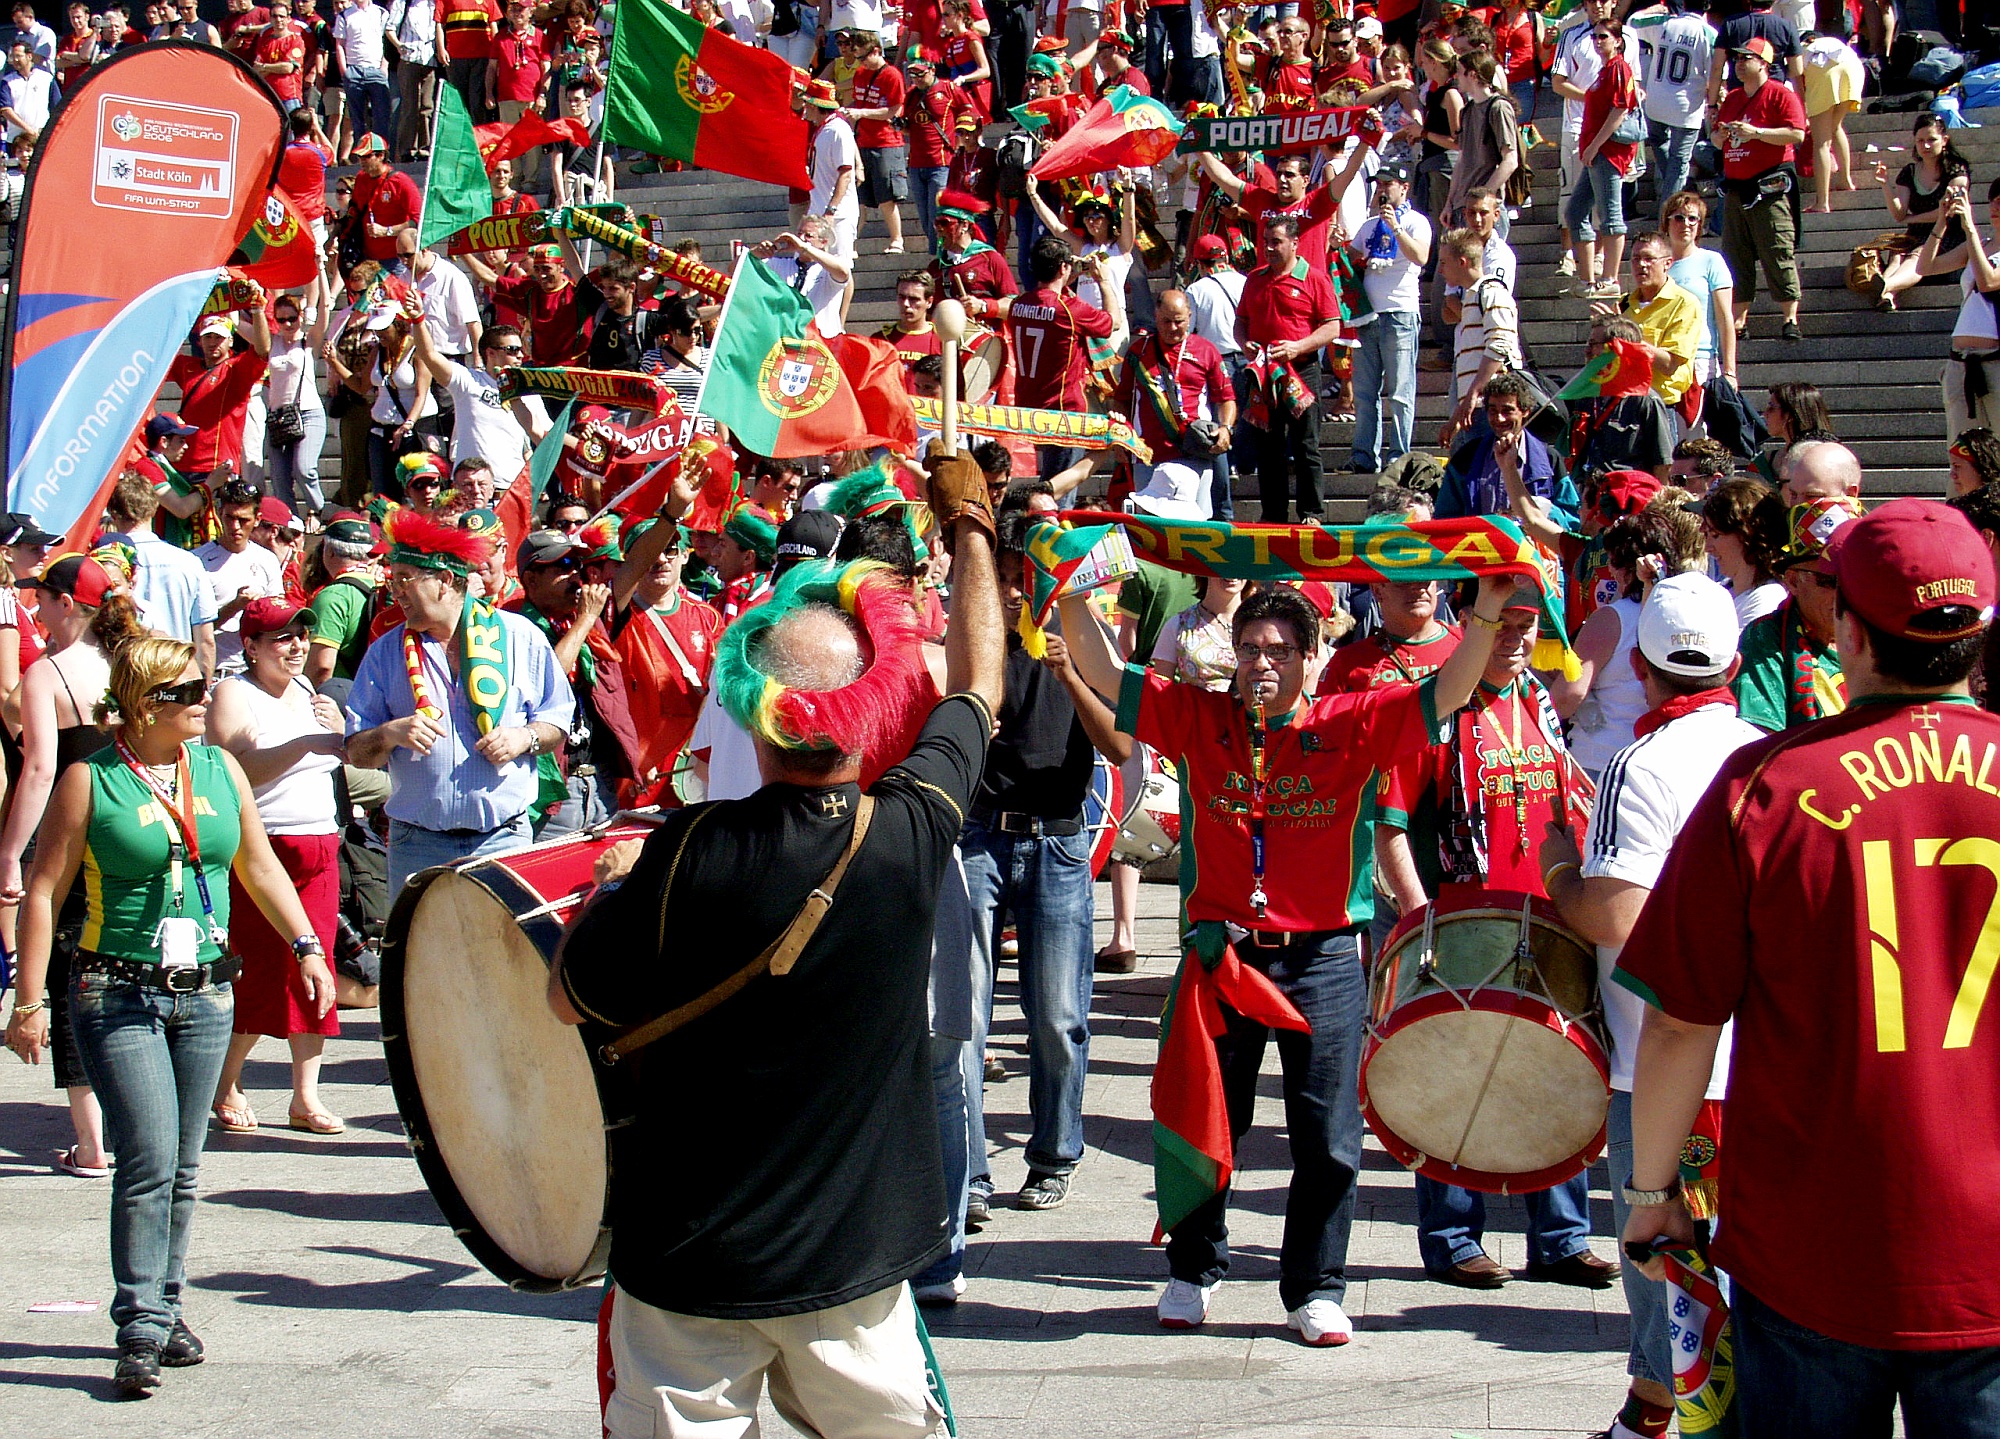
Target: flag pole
x,y
715,336
949,318
637,485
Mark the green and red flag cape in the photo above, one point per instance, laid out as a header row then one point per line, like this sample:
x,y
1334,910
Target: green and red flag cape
x,y
680,89
1620,369
1123,129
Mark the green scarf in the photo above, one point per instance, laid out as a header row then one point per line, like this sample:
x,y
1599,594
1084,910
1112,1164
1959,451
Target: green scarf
x,y
482,666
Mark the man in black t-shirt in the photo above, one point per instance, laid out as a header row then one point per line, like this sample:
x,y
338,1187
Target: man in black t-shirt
x,y
781,1179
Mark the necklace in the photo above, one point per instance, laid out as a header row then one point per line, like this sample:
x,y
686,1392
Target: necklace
x,y
1517,757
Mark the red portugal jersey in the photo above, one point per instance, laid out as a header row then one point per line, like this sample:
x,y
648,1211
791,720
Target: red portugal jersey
x,y
1051,354
668,654
1381,659
1837,892
1319,782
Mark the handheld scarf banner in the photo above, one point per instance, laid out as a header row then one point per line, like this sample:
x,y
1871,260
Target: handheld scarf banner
x,y
1703,1346
692,273
482,668
517,231
619,389
1044,427
235,291
1278,133
171,147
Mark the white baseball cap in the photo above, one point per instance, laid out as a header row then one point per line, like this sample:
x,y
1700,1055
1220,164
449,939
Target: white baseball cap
x,y
1688,626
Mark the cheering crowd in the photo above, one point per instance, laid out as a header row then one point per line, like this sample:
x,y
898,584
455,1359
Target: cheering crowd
x,y
253,705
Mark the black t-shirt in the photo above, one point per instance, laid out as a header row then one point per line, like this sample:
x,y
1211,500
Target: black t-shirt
x,y
785,1153
1633,433
1041,759
616,341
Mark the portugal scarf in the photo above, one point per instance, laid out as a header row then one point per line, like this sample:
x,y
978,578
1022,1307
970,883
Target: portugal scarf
x,y
482,667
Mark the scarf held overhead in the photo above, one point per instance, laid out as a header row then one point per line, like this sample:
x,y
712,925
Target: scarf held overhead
x,y
1278,134
618,389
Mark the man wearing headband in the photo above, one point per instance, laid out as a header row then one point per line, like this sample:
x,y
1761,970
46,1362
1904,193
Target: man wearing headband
x,y
966,266
458,701
1831,895
791,1255
343,607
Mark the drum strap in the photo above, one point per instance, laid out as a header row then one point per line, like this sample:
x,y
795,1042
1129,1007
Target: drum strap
x,y
778,957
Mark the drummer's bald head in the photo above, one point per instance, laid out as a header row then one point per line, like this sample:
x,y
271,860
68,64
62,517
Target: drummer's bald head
x,y
815,647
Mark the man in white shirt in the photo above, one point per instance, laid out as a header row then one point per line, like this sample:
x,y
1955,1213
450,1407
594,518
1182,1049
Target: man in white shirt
x,y
360,53
27,93
238,571
1685,656
501,432
1676,51
413,24
1574,72
1394,245
41,39
836,161
1212,299
810,264
451,305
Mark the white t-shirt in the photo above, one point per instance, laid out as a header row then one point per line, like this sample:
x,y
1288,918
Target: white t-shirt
x,y
1576,62
820,289
852,15
1650,788
1117,269
1675,53
450,306
834,150
1393,281
289,376
359,33
1975,311
1761,600
486,426
732,754
1212,302
255,567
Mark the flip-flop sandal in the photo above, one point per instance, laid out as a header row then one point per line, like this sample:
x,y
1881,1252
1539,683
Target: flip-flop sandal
x,y
234,1118
317,1124
66,1162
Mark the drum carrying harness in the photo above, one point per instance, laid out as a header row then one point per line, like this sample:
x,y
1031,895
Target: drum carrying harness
x,y
778,957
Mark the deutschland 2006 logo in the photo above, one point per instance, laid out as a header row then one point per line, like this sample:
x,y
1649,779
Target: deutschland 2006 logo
x,y
797,377
125,125
698,88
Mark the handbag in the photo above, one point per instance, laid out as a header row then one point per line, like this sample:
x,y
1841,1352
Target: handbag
x,y
1866,262
286,425
1630,130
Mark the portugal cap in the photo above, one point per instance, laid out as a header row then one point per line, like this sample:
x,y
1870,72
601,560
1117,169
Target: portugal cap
x,y
1915,569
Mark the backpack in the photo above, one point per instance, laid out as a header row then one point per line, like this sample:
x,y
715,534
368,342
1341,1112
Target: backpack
x,y
1012,157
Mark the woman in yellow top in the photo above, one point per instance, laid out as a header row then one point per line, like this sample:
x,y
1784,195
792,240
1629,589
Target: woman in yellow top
x,y
156,822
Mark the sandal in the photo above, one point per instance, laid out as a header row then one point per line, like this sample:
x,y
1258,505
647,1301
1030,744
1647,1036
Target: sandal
x,y
318,1122
66,1162
234,1118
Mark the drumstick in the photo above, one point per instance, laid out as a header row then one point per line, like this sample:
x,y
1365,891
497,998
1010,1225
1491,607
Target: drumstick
x,y
949,317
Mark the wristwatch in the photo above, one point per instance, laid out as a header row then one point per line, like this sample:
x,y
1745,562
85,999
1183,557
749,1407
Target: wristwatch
x,y
1639,1197
307,944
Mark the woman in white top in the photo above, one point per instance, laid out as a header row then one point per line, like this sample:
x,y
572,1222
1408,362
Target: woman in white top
x,y
1092,235
1607,696
1195,646
403,404
293,464
1743,525
289,742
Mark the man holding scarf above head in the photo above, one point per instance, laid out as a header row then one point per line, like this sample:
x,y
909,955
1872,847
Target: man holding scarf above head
x,y
1281,784
458,702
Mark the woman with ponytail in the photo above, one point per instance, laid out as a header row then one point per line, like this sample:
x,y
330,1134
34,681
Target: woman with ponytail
x,y
86,619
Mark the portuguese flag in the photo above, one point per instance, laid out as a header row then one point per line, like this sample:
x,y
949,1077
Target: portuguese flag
x,y
1123,129
278,253
1621,369
680,89
772,379
457,191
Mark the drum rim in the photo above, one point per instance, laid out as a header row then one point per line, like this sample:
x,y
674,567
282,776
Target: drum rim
x,y
1502,904
1521,1005
415,1115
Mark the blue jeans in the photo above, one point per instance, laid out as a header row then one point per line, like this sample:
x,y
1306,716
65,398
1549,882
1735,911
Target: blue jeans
x,y
1673,154
294,469
926,184
1650,1355
1795,1383
1052,460
1600,190
1170,28
1045,884
1385,388
413,848
948,1089
370,106
154,1059
593,798
1451,1222
1321,974
1027,230
1221,491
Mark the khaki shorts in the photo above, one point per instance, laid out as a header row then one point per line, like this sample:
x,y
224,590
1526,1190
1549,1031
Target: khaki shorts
x,y
1762,235
856,1370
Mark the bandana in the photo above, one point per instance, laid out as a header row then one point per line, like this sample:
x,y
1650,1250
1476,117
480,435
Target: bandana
x,y
1678,706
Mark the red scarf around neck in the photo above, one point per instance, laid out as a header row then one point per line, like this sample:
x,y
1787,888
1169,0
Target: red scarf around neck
x,y
1680,705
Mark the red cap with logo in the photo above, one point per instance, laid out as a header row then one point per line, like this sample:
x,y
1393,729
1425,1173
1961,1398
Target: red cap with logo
x,y
1901,563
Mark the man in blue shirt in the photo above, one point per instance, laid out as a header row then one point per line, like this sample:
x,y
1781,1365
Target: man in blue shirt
x,y
453,790
1498,468
169,585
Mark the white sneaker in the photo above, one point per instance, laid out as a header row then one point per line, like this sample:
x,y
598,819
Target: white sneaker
x,y
1567,264
1319,1322
946,1293
1184,1305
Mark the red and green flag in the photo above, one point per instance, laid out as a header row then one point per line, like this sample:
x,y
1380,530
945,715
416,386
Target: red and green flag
x,y
682,90
502,141
278,253
772,379
457,192
1620,369
1124,129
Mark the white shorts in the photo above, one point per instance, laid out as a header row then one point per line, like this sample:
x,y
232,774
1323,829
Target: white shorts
x,y
846,234
856,1370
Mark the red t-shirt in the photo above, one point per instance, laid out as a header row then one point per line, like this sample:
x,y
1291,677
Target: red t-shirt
x,y
1134,78
1314,211
874,90
1773,108
246,44
520,65
1833,893
392,199
1319,778
302,176
214,401
1615,90
1286,80
984,275
928,117
666,683
1198,372
957,57
272,48
1514,47
1355,69
1288,306
468,28
1380,660
555,329
1050,354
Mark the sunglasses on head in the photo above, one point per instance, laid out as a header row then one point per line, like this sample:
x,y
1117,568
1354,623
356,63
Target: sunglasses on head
x,y
187,692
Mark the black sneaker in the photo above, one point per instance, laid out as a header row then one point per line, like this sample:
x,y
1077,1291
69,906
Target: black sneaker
x,y
1042,1191
1789,332
978,1209
183,1347
138,1372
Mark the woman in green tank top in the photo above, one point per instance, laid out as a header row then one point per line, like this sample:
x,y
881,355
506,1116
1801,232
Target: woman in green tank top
x,y
155,825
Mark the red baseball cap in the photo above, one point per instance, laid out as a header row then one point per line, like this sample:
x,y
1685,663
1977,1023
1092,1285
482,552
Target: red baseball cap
x,y
262,616
1208,247
1760,47
273,511
1907,559
80,577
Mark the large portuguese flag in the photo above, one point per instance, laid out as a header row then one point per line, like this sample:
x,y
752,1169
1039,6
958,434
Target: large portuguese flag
x,y
682,90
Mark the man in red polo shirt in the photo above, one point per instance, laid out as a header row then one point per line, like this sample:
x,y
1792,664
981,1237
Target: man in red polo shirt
x,y
885,158
1173,379
1287,313
277,50
385,203
1756,128
1051,332
517,78
1278,784
216,384
1833,893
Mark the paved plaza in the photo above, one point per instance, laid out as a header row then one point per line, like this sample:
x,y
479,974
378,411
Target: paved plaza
x,y
335,1303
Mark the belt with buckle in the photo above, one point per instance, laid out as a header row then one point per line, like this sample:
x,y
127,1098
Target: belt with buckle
x,y
583,771
174,979
1280,938
1027,826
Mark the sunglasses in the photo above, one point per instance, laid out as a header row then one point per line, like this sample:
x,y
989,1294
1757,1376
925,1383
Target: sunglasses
x,y
430,483
567,562
505,350
187,692
1820,578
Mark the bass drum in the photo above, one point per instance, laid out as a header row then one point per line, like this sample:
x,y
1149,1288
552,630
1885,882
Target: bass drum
x,y
1485,1060
506,1109
1102,803
981,362
1149,831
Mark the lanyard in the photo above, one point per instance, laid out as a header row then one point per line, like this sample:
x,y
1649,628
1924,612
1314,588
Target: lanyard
x,y
1258,899
183,817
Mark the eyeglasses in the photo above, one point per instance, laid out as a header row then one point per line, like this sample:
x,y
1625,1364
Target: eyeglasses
x,y
1277,656
187,692
1684,217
